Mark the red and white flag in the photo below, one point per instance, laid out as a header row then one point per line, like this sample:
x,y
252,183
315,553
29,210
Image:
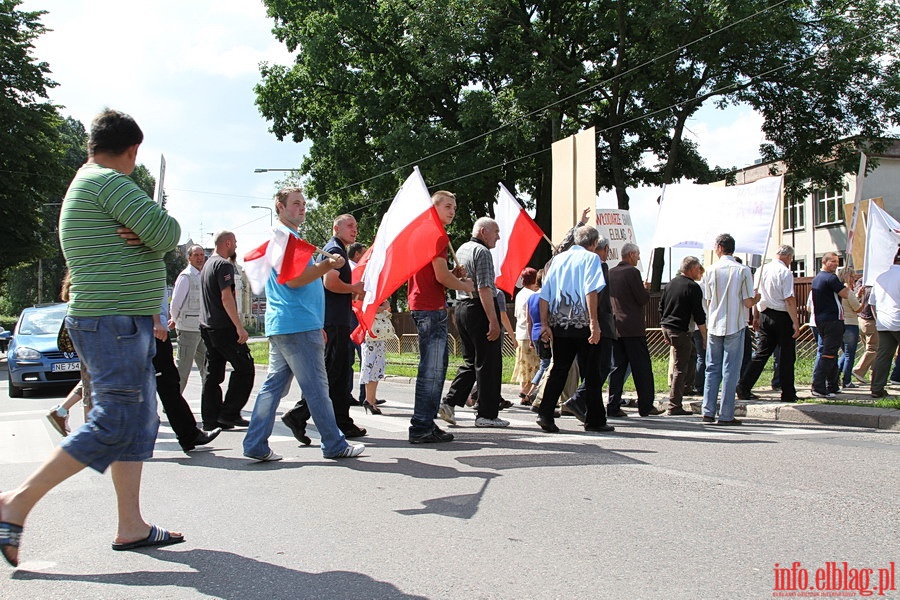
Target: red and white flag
x,y
519,236
402,246
286,253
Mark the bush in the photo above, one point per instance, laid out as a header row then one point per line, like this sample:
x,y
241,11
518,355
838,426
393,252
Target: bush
x,y
7,322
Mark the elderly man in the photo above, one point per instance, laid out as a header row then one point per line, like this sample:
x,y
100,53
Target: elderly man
x,y
184,317
827,293
885,301
295,314
682,303
116,286
570,324
339,290
629,296
226,340
775,318
478,322
727,294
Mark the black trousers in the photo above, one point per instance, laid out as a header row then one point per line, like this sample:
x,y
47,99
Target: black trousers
x,y
222,348
168,388
775,329
632,351
482,360
594,366
338,369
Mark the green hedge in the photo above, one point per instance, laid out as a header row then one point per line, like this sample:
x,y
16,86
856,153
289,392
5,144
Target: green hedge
x,y
8,322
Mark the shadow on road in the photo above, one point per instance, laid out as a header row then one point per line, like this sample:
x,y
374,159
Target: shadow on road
x,y
231,576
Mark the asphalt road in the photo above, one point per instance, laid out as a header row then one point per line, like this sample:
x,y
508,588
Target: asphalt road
x,y
662,508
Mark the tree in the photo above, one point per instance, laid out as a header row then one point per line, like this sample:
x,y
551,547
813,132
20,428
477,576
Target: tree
x,y
31,151
484,87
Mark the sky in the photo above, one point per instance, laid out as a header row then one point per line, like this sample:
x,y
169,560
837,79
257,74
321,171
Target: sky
x,y
186,69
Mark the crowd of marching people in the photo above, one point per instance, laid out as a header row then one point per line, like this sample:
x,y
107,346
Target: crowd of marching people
x,y
580,326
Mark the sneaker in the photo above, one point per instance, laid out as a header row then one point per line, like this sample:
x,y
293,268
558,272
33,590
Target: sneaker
x,y
437,436
351,451
60,421
482,422
858,377
816,394
850,385
445,412
270,457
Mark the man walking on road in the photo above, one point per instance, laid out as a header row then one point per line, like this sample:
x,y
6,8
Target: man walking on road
x,y
184,318
775,318
225,339
428,307
295,314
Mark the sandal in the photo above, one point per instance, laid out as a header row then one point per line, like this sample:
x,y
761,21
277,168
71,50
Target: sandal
x,y
156,537
10,537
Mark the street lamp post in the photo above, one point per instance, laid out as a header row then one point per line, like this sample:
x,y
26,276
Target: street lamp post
x,y
271,212
270,170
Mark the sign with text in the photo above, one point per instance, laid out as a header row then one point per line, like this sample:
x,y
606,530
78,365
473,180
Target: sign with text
x,y
615,225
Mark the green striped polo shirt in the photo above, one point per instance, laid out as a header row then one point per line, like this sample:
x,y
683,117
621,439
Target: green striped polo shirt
x,y
110,277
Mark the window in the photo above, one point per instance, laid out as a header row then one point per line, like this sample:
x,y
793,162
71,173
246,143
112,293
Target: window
x,y
794,214
829,206
798,267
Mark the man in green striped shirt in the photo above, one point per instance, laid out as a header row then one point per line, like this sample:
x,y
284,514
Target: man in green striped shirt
x,y
113,237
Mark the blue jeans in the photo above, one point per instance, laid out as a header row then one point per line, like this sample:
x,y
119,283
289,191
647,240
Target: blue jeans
x,y
117,352
723,367
301,355
845,363
825,373
433,356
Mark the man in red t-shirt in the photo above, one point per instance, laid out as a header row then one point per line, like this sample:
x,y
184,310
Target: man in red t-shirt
x,y
428,305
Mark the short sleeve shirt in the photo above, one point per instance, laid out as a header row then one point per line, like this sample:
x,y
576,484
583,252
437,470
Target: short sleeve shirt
x,y
521,305
479,264
826,302
572,276
776,284
425,292
725,286
337,306
217,275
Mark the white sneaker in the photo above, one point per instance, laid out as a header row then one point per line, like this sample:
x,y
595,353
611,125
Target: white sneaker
x,y
482,422
445,411
270,457
351,451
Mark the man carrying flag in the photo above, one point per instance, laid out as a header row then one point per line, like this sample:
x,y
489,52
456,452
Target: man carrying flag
x,y
428,305
295,314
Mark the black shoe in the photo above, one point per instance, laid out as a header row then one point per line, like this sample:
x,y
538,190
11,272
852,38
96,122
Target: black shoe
x,y
354,432
380,401
205,437
292,419
743,394
574,407
617,413
373,409
548,426
879,394
437,436
709,419
653,412
537,409
504,404
214,427
731,422
599,428
679,411
232,423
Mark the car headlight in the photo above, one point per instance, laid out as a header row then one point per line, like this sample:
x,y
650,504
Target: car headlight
x,y
26,353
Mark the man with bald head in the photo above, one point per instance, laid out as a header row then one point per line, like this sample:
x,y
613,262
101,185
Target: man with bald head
x,y
184,317
226,340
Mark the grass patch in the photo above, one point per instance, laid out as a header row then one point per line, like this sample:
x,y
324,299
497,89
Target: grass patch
x,y
879,403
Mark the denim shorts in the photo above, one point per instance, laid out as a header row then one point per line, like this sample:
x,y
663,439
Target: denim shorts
x,y
117,352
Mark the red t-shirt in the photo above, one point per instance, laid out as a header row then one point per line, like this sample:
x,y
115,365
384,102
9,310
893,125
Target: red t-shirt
x,y
425,291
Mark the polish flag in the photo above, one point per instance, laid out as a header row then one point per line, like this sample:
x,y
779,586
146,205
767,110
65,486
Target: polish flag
x,y
519,236
403,245
286,253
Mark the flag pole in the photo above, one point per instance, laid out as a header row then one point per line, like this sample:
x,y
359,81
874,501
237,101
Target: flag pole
x,y
552,245
452,253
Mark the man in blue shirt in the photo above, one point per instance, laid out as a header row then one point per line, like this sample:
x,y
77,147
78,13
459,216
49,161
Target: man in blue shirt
x,y
827,292
295,314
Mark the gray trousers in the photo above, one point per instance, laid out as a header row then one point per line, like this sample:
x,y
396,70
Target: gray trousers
x,y
191,350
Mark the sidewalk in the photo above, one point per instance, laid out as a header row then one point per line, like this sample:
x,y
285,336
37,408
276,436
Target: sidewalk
x,y
769,407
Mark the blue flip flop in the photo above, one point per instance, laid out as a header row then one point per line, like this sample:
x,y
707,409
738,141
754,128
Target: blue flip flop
x,y
10,537
156,537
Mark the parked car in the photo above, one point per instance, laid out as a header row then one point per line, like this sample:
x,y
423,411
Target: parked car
x,y
34,360
4,339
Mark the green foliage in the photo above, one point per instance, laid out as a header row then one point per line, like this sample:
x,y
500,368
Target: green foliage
x,y
31,151
379,86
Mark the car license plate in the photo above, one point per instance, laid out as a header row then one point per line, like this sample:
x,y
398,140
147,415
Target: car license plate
x,y
72,366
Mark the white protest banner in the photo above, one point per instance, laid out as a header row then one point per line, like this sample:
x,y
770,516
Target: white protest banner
x,y
615,225
691,215
882,240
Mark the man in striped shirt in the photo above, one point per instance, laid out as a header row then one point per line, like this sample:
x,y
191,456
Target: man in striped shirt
x,y
727,293
116,285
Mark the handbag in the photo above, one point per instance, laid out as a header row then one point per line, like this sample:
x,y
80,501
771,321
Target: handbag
x,y
63,341
382,327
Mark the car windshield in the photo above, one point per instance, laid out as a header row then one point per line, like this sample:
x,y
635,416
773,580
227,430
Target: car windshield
x,y
42,321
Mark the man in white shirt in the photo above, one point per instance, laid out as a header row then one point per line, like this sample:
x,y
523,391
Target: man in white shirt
x,y
184,317
776,320
885,301
727,293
